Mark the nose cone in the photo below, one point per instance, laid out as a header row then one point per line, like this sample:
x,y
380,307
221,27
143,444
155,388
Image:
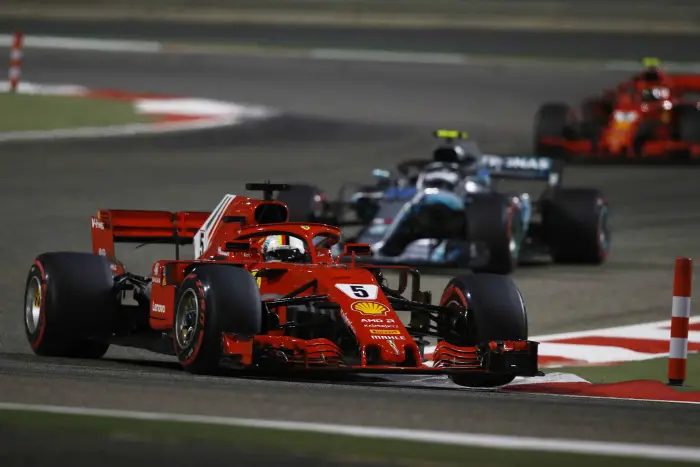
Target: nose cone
x,y
391,347
620,136
622,126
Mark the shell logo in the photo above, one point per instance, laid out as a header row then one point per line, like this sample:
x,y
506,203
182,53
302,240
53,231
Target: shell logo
x,y
369,308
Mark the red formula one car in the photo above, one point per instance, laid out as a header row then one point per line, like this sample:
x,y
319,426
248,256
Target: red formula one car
x,y
651,116
266,294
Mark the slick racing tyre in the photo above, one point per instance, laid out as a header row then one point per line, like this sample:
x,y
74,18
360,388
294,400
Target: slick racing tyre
x,y
496,312
213,299
69,305
305,204
493,220
551,121
576,226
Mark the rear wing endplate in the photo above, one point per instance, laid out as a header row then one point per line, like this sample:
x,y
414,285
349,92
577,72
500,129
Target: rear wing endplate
x,y
112,226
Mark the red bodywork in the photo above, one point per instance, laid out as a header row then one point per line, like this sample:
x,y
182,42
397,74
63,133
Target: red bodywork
x,y
621,112
233,234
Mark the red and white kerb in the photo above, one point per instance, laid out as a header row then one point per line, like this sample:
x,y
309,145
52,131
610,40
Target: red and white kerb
x,y
680,316
16,61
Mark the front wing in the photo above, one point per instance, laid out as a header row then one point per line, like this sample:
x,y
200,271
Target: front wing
x,y
651,150
518,357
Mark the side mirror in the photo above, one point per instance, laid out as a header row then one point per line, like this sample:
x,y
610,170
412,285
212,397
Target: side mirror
x,y
354,249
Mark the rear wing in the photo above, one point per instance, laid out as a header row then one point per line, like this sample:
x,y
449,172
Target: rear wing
x,y
524,168
112,226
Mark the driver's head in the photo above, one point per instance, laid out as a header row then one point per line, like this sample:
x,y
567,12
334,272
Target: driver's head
x,y
283,248
464,154
651,73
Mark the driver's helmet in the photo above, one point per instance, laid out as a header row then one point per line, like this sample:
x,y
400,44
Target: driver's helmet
x,y
651,73
283,248
465,153
442,176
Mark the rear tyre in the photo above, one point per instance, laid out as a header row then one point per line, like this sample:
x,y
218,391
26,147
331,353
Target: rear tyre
x,y
213,299
496,311
551,121
493,220
576,226
69,305
366,207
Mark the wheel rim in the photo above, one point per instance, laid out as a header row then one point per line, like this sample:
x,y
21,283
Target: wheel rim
x,y
32,304
186,319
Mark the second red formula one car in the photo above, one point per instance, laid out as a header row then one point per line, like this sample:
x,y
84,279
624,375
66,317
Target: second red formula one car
x,y
653,116
263,293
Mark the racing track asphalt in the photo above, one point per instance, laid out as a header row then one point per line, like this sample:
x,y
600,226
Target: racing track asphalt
x,y
626,46
341,120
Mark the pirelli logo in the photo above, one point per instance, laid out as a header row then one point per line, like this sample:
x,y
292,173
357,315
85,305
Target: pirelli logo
x,y
385,332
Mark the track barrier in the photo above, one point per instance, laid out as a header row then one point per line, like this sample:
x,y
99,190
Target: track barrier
x,y
15,61
680,316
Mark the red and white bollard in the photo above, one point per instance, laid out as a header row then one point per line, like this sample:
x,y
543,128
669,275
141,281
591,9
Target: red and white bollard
x,y
680,317
16,61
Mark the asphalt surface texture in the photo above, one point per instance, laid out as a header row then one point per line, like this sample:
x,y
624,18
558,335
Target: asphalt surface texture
x,y
561,45
340,119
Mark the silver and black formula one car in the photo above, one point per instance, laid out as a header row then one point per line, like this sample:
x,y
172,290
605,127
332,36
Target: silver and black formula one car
x,y
450,211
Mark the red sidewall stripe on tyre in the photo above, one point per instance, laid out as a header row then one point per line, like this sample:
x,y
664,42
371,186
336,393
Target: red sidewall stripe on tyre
x,y
41,325
201,322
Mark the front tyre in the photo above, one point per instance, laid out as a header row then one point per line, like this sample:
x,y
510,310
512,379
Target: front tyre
x,y
212,300
496,312
495,221
576,226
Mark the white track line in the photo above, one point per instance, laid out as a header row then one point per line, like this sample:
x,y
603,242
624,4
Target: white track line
x,y
606,398
200,107
388,56
592,353
79,43
630,331
606,354
659,452
25,87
